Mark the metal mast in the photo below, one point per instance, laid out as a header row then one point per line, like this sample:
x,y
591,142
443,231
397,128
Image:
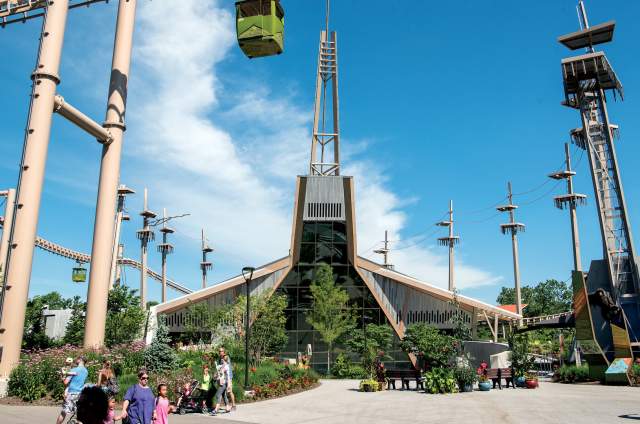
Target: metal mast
x,y
385,251
587,78
449,241
145,235
123,191
165,248
513,228
205,265
322,161
571,201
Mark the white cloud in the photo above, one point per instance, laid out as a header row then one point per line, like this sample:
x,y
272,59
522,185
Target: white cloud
x,y
214,164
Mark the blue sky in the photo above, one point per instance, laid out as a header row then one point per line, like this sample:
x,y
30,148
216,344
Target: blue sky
x,y
439,101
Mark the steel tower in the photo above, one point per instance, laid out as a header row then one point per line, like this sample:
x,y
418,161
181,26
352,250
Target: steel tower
x,y
587,80
322,162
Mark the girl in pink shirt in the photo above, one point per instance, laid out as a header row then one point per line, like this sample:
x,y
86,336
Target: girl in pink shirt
x,y
163,409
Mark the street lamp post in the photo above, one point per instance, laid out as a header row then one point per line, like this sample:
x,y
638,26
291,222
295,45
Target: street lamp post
x,y
247,273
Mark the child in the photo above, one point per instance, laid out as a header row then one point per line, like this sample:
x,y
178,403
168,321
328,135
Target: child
x,y
111,415
68,363
186,392
163,409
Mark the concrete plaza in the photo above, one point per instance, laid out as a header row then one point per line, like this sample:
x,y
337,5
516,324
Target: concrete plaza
x,y
337,401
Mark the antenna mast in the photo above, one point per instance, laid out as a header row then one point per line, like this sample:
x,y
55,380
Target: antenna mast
x,y
451,241
322,162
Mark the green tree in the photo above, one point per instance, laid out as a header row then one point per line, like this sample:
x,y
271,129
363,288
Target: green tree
x,y
160,356
546,298
34,325
377,338
125,317
203,322
330,314
74,333
268,334
461,330
423,340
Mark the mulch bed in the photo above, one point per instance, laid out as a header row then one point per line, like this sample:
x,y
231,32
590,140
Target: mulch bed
x,y
289,393
16,401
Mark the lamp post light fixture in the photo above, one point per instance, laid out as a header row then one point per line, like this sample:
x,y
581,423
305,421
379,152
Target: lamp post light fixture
x,y
247,273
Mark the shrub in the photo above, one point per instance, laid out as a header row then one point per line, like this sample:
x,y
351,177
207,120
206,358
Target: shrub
x,y
369,385
465,375
344,368
426,341
635,374
440,380
573,374
160,356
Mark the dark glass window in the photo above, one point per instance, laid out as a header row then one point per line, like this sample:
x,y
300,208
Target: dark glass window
x,y
327,242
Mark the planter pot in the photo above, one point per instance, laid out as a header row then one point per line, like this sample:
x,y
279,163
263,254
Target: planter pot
x,y
466,388
520,381
367,388
380,386
531,384
484,386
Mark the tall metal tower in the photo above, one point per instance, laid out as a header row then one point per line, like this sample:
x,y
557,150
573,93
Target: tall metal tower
x,y
121,216
570,201
513,228
326,119
384,251
205,265
145,235
587,80
165,248
451,241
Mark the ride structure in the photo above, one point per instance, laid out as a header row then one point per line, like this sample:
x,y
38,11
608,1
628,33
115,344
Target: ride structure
x,y
260,27
607,301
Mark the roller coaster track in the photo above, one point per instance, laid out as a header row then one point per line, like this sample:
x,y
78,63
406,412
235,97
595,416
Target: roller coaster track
x,y
561,320
83,258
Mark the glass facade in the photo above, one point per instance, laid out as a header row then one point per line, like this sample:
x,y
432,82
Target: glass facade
x,y
326,242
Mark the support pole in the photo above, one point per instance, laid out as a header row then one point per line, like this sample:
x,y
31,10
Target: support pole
x,y
452,285
516,276
10,198
496,326
103,234
577,262
29,191
123,191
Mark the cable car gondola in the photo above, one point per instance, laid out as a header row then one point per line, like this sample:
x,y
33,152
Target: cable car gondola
x,y
260,27
79,274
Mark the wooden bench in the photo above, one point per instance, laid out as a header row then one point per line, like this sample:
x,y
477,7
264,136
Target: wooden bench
x,y
405,376
497,374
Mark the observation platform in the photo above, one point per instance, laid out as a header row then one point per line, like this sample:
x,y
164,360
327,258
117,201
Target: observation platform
x,y
597,34
588,72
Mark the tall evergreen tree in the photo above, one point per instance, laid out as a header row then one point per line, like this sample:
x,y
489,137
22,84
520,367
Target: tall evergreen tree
x,y
330,314
160,356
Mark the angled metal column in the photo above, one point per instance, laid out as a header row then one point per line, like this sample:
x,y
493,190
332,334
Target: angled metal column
x,y
103,231
451,241
45,80
513,228
7,225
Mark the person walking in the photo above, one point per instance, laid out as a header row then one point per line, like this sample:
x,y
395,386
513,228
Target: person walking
x,y
230,395
139,402
73,380
163,408
222,377
107,378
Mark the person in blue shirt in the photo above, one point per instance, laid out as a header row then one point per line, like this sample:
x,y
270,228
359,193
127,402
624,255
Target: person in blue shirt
x,y
73,380
139,402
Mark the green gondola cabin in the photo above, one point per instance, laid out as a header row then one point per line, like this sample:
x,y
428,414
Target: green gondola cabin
x,y
79,274
260,27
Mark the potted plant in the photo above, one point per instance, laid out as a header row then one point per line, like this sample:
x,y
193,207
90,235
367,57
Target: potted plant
x,y
369,385
465,377
484,384
531,380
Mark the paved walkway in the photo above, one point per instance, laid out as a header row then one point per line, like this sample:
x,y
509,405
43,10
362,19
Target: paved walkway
x,y
337,401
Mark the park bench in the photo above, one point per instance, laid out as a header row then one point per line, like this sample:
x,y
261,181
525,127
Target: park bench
x,y
405,376
497,374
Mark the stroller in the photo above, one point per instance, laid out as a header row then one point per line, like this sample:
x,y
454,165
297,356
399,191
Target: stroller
x,y
190,398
